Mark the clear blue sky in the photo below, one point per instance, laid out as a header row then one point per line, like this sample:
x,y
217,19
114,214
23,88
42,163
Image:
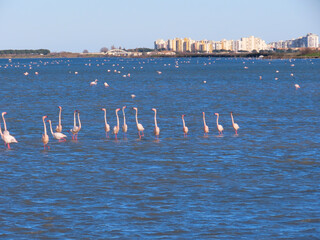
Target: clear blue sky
x,y
75,25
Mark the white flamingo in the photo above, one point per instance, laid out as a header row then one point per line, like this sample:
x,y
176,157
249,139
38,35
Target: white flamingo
x,y
205,126
7,138
234,125
156,130
57,135
139,125
75,130
45,137
185,128
125,126
93,83
117,127
59,127
297,86
220,128
106,125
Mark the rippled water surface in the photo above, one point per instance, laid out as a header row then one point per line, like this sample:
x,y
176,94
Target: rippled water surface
x,y
262,183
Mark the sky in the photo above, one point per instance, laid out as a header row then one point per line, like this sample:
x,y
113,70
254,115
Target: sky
x,y
75,25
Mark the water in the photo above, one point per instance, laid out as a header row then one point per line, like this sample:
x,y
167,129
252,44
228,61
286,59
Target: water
x,y
262,183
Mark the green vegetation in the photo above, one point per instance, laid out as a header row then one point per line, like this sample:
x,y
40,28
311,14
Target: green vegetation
x,y
25,51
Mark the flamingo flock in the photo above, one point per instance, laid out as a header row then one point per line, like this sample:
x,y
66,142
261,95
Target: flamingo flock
x,y
58,135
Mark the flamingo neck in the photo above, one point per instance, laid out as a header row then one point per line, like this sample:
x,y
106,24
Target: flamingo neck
x,y
44,127
4,123
124,117
137,117
155,119
232,119
50,127
60,117
184,125
117,119
105,118
74,119
204,120
217,120
79,120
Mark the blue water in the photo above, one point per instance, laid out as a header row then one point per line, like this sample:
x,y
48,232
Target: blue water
x,y
260,184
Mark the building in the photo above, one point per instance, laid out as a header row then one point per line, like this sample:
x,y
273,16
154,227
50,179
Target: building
x,y
310,40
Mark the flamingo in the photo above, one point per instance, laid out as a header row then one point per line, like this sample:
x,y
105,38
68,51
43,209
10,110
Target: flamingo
x,y
57,135
7,138
106,84
205,126
156,130
45,137
116,128
93,83
106,125
234,125
59,127
125,126
220,128
139,125
185,128
297,86
75,128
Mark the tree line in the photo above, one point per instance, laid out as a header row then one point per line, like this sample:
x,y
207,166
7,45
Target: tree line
x,y
25,51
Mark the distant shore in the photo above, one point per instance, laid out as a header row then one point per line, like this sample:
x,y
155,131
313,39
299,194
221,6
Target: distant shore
x,y
273,55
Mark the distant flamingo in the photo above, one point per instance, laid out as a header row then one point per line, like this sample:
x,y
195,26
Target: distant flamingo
x,y
220,128
59,127
106,84
106,125
93,83
185,128
139,126
234,125
57,135
7,138
45,137
117,128
125,126
156,130
297,86
205,126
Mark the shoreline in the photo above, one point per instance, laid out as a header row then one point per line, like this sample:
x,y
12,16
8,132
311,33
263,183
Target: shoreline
x,y
296,55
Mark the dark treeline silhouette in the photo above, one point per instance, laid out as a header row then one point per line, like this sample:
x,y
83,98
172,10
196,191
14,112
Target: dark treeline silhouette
x,y
25,51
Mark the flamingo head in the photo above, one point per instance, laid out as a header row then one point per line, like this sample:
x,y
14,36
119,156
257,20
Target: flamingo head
x,y
124,107
44,117
103,109
118,109
4,113
183,115
49,121
134,108
216,114
60,107
153,109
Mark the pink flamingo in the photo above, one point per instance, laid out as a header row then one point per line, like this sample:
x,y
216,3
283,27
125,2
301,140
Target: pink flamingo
x,y
220,128
156,130
185,128
7,138
45,137
139,125
117,127
205,126
234,125
106,125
